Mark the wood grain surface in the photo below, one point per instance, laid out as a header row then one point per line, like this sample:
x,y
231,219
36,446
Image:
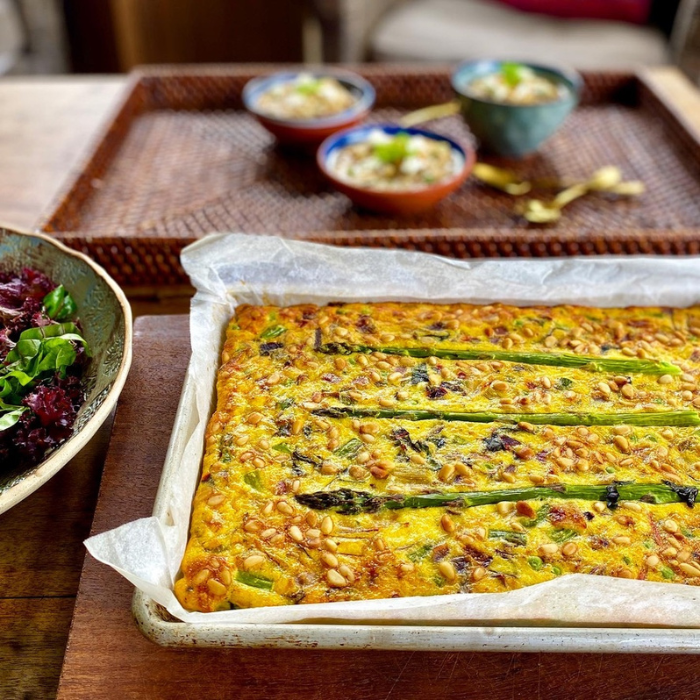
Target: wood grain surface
x,y
108,658
41,554
46,126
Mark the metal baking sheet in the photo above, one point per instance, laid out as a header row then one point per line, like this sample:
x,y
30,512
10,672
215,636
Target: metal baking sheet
x,y
159,626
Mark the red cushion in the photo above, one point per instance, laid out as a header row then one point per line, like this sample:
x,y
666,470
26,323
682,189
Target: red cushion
x,y
636,11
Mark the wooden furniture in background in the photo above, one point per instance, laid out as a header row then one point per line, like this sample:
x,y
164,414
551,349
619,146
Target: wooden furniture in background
x,y
196,31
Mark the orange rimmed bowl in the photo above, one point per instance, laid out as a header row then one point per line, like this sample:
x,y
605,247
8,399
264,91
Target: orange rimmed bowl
x,y
399,202
310,132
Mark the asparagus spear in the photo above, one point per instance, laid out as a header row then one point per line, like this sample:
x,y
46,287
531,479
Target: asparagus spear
x,y
349,501
553,359
663,418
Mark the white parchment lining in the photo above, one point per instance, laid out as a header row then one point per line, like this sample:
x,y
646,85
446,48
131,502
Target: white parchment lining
x,y
229,269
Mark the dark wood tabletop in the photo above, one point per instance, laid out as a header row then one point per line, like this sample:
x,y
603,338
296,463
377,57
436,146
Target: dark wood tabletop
x,y
107,656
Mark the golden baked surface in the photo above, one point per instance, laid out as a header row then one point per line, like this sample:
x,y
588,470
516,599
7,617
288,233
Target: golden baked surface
x,y
381,450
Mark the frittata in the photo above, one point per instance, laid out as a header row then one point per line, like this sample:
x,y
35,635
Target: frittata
x,y
380,450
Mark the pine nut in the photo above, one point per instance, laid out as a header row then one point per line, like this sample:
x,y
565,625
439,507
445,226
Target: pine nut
x,y
347,573
335,579
327,525
665,379
569,549
328,468
548,549
216,587
447,473
330,560
447,523
505,507
671,526
253,562
478,573
689,569
296,534
254,418
201,576
622,444
284,507
525,509
447,569
628,392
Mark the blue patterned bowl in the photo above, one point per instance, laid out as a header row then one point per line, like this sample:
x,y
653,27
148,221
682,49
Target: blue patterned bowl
x,y
513,130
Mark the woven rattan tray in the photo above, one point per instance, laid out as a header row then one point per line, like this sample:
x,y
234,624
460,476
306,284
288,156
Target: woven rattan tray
x,y
181,159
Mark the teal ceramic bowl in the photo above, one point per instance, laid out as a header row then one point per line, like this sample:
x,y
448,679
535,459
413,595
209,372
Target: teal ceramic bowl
x,y
513,130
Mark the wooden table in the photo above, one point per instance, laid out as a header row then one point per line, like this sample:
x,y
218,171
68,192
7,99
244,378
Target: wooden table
x,y
46,125
108,657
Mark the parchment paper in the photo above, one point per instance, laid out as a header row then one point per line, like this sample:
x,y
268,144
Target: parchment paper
x,y
229,269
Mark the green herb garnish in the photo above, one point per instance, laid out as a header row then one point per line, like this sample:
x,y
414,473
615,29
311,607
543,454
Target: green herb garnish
x,y
420,552
253,480
393,151
535,563
563,535
513,73
508,536
349,449
254,580
309,87
272,332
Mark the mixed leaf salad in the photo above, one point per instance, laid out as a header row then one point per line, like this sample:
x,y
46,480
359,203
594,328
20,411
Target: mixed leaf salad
x,y
42,357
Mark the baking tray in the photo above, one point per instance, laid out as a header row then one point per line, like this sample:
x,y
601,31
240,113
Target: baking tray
x,y
162,628
181,158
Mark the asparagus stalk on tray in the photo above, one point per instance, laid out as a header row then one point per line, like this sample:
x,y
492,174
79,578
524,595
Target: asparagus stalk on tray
x,y
662,418
552,359
350,501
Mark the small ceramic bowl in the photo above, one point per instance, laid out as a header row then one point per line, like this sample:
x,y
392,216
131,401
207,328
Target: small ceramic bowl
x,y
399,202
310,132
105,316
514,130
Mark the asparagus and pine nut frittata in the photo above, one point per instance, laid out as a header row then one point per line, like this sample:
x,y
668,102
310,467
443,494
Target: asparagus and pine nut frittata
x,y
380,450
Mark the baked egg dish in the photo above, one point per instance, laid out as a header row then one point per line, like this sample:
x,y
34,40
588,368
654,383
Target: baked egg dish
x,y
383,450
